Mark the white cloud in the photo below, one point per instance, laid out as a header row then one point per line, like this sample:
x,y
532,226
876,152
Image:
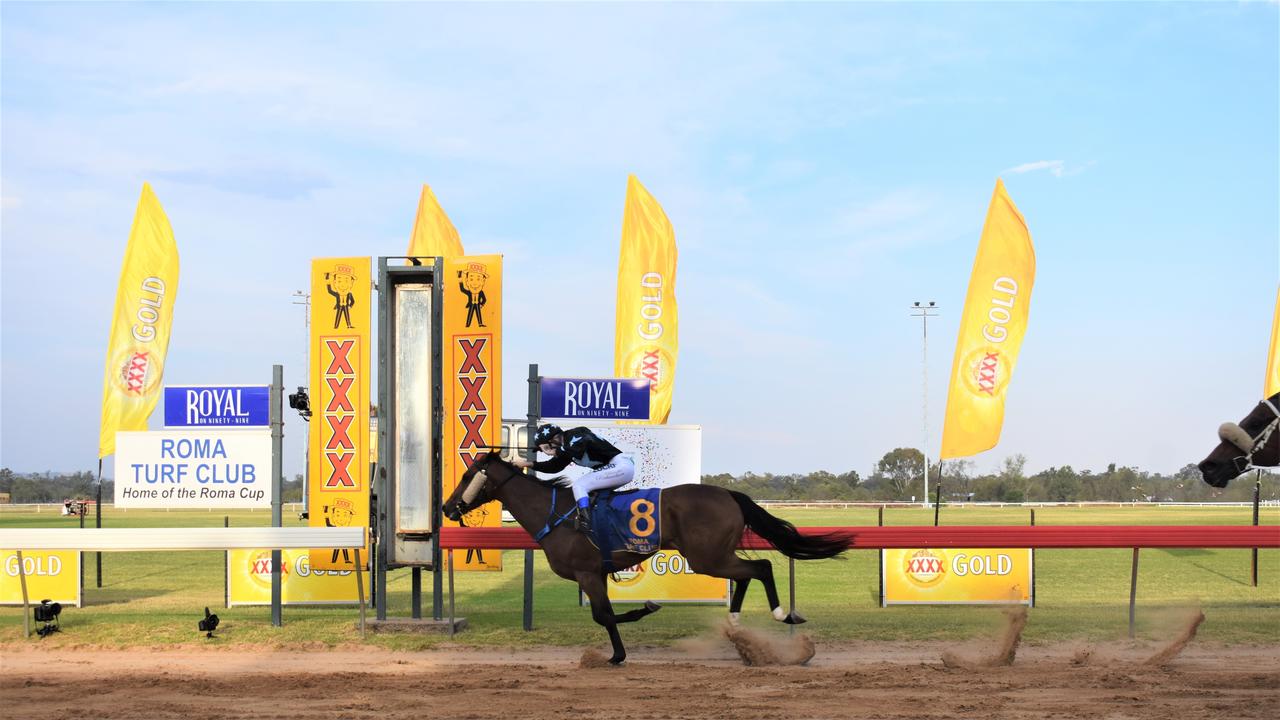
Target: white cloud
x,y
1053,166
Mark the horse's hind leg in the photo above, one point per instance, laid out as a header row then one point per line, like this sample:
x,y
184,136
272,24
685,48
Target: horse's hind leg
x,y
742,572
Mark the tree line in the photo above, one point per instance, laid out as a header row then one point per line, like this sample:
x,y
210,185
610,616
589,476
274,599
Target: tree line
x,y
899,475
895,477
51,487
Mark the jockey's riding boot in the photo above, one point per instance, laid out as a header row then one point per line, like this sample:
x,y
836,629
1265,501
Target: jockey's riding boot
x,y
582,521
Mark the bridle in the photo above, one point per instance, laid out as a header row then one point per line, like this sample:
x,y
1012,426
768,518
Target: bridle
x,y
1243,463
478,487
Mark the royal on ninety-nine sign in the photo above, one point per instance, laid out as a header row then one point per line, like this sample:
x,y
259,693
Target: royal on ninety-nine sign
x,y
217,406
596,398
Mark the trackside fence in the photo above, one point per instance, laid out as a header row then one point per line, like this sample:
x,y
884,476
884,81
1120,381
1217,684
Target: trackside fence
x,y
956,536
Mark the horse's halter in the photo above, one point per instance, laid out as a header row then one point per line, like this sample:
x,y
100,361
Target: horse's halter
x,y
1227,432
475,488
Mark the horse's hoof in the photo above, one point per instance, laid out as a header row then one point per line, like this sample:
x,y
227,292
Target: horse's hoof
x,y
618,661
794,618
652,606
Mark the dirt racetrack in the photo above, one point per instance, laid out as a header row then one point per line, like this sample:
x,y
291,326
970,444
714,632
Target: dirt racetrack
x,y
697,679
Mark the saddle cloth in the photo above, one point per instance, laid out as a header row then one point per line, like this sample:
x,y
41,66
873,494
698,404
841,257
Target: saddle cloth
x,y
627,521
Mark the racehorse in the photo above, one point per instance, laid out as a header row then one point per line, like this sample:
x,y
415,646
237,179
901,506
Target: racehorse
x,y
704,522
1253,442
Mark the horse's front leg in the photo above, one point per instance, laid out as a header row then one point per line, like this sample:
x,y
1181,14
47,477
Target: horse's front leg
x,y
602,611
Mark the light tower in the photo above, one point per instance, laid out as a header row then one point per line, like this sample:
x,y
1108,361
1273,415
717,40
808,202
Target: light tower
x,y
924,311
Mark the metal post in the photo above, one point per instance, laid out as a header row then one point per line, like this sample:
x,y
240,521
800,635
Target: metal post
x,y
531,454
922,312
452,622
528,590
1033,563
791,577
937,504
360,588
97,513
1133,591
438,420
880,523
415,590
82,555
26,603
384,540
1257,494
277,480
226,563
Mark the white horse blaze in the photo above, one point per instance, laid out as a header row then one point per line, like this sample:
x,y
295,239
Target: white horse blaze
x,y
473,489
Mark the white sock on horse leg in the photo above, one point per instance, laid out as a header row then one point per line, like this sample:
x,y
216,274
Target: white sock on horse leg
x,y
779,614
733,618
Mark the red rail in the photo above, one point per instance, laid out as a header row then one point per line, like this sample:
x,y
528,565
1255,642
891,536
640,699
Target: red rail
x,y
971,536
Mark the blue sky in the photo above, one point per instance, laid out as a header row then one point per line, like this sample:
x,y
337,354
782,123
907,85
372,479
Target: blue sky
x,y
824,166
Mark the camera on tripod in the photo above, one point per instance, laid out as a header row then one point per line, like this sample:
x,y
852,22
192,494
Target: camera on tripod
x,y
301,402
208,624
47,613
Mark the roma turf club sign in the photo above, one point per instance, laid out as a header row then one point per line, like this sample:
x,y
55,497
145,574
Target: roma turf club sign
x,y
340,376
471,337
195,469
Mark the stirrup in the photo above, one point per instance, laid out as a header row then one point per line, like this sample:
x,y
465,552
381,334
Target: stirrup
x,y
581,521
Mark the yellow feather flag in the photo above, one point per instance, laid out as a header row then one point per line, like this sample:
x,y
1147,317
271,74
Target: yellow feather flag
x,y
646,333
1272,384
433,234
991,329
140,324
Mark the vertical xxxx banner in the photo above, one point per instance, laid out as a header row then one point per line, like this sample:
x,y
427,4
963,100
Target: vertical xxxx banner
x,y
339,380
140,324
991,330
1271,385
471,335
646,332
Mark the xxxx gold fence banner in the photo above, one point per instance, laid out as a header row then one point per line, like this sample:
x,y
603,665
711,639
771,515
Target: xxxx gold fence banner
x,y
51,574
249,580
646,331
340,376
433,233
1272,385
140,324
472,375
666,575
957,576
992,325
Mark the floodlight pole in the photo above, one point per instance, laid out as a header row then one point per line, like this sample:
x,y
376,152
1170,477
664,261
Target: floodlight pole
x,y
304,299
921,311
277,473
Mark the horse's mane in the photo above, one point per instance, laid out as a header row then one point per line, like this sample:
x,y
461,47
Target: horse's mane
x,y
559,480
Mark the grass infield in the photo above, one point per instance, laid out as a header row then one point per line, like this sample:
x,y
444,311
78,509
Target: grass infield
x,y
155,598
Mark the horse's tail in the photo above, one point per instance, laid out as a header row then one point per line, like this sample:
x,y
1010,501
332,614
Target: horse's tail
x,y
783,536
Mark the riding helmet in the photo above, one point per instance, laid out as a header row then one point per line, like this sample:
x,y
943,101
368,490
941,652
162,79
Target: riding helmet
x,y
545,433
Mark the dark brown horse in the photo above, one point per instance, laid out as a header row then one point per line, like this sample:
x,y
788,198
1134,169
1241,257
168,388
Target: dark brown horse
x,y
705,523
1253,442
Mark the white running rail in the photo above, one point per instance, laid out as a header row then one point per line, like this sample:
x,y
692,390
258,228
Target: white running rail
x,y
142,539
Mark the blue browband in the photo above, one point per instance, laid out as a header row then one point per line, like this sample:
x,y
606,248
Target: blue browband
x,y
553,520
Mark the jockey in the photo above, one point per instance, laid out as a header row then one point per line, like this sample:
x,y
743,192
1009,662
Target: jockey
x,y
609,467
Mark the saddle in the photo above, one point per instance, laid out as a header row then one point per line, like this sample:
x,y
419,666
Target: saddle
x,y
626,522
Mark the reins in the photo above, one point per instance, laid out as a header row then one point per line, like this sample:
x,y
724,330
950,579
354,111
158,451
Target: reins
x,y
1259,441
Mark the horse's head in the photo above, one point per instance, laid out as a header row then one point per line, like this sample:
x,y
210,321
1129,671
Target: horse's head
x,y
1253,442
487,473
